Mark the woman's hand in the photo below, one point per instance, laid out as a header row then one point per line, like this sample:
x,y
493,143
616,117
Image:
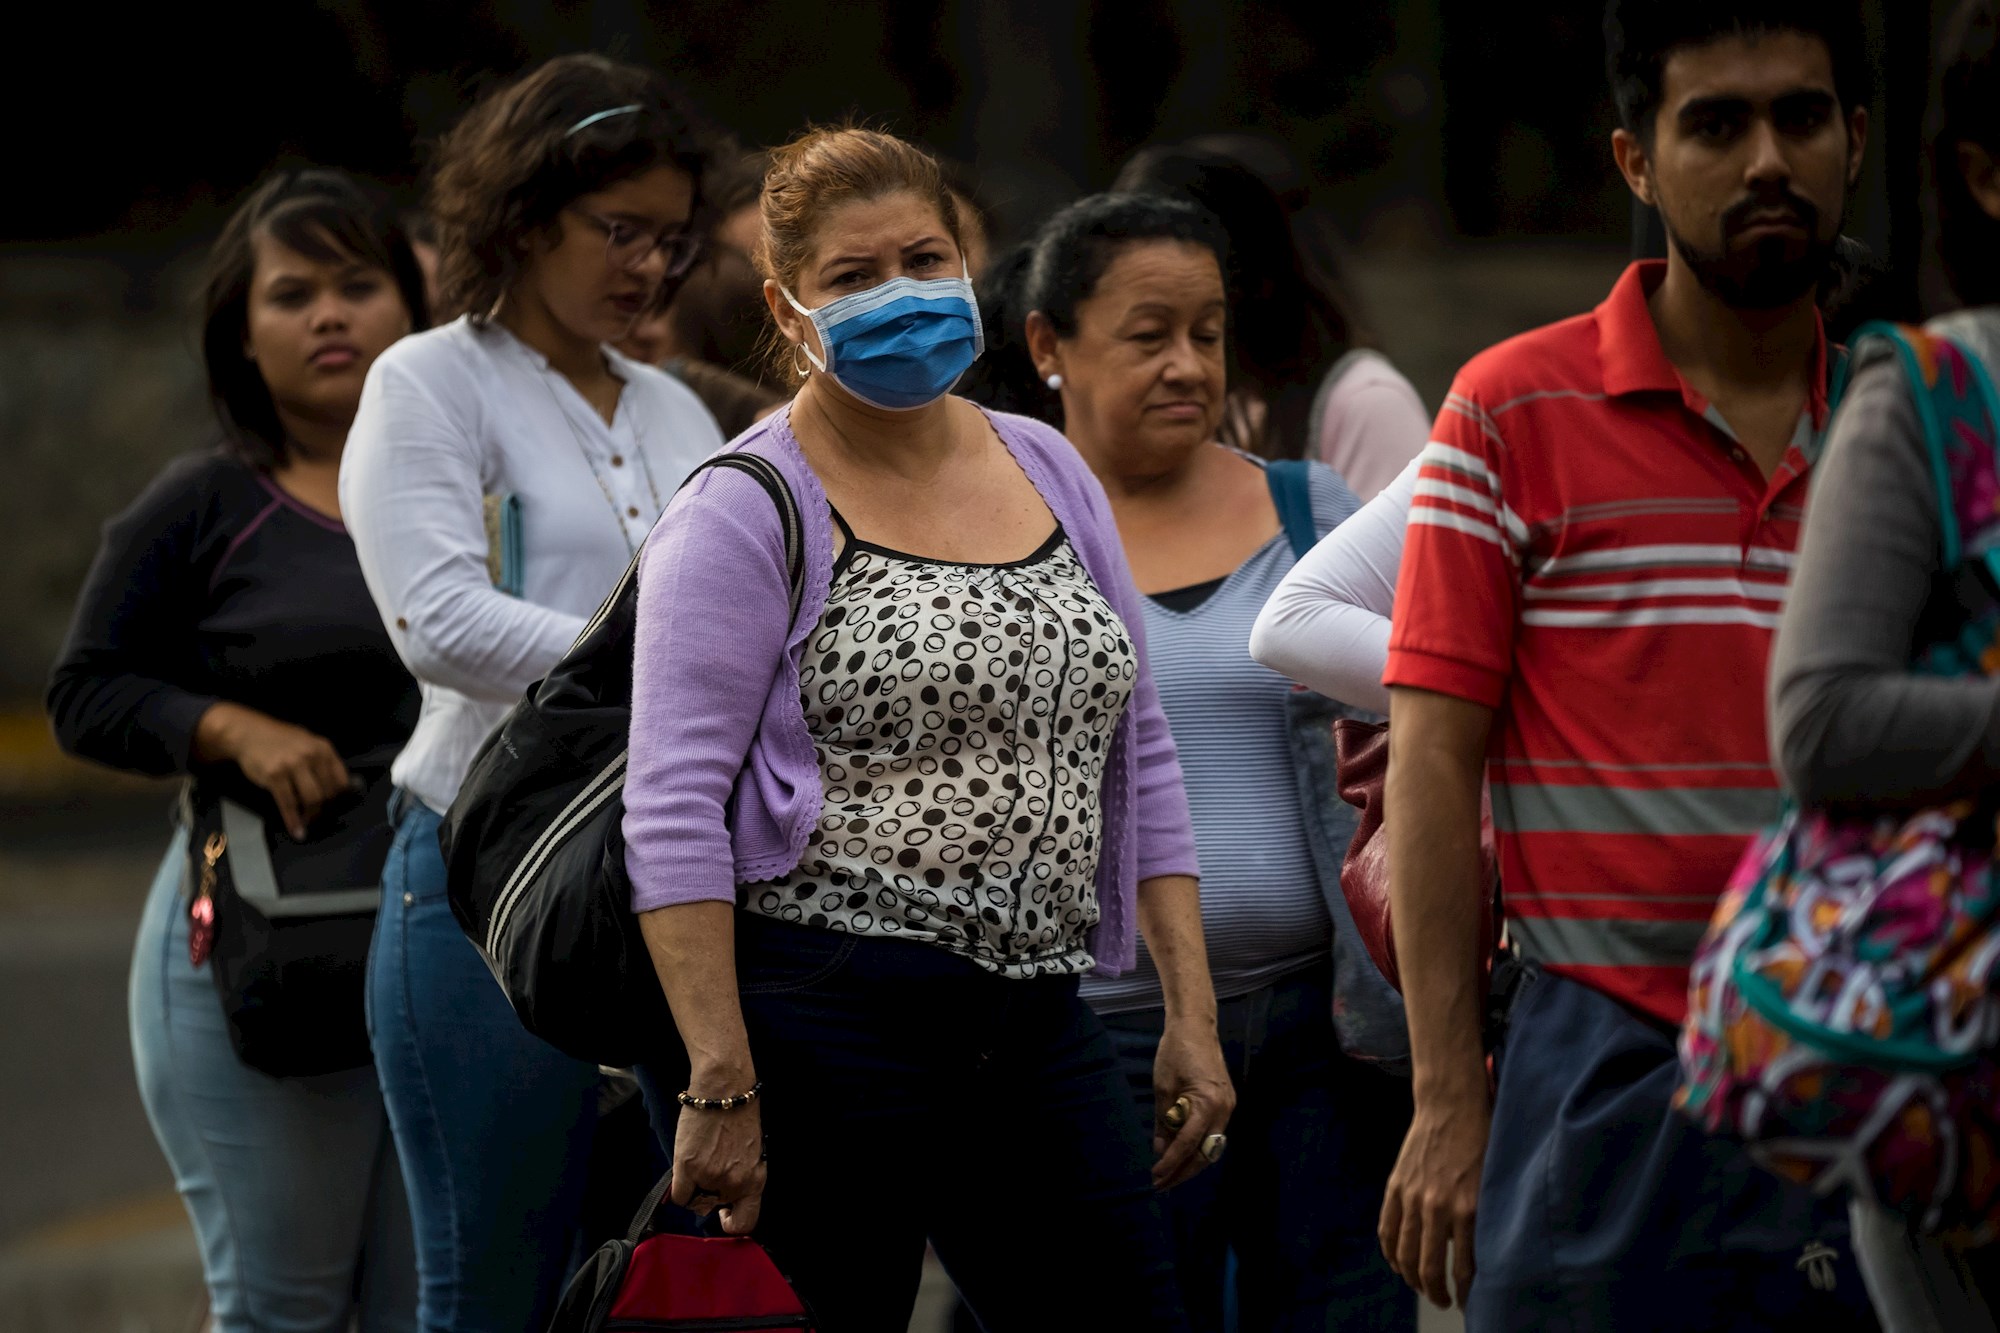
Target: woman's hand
x,y
719,1164
300,769
1189,1065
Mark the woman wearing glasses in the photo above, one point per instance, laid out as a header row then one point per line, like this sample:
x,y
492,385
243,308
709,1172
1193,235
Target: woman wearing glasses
x,y
502,470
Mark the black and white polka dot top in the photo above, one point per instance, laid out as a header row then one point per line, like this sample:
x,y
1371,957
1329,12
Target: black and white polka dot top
x,y
962,715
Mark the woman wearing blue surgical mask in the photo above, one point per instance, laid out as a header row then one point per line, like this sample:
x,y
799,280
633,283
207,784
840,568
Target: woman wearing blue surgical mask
x,y
876,836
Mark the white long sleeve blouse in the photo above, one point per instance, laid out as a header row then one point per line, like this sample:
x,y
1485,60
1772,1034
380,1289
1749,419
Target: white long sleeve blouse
x,y
1327,625
458,413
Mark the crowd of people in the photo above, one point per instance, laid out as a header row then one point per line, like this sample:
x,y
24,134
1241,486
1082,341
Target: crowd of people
x,y
988,859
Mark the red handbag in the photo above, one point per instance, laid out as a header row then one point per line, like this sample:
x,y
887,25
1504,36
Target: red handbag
x,y
1362,757
646,1281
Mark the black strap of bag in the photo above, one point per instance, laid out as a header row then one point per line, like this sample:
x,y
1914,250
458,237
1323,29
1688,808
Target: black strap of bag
x,y
766,474
534,845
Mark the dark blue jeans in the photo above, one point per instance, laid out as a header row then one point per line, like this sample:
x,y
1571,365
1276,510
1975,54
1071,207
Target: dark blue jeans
x,y
1601,1207
492,1125
910,1095
1297,1196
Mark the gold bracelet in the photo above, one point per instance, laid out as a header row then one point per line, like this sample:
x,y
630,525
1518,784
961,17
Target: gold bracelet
x,y
694,1103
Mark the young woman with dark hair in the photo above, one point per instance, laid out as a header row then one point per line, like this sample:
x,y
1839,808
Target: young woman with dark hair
x,y
1303,383
224,633
567,205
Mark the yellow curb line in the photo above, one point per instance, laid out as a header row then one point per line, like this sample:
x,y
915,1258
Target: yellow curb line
x,y
119,1221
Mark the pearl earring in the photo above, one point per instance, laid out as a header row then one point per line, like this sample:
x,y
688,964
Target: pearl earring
x,y
1054,381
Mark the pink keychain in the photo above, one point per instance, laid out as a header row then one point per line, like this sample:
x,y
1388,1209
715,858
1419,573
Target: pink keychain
x,y
201,911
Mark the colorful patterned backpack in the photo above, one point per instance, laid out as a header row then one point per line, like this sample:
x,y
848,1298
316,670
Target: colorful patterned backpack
x,y
1842,1020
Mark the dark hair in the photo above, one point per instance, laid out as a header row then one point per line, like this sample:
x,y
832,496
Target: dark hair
x,y
975,208
734,179
1288,317
1056,273
823,168
1076,246
1639,35
328,217
1968,111
525,152
418,227
1004,377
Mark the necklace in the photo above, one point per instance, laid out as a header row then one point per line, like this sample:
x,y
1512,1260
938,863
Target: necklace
x,y
596,475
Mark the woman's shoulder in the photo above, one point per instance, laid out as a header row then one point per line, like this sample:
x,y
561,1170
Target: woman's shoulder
x,y
724,490
1047,446
453,353
196,485
1365,375
195,503
1027,430
1332,500
1878,409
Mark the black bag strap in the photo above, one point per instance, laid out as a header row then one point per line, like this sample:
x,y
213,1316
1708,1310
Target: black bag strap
x,y
642,1221
767,475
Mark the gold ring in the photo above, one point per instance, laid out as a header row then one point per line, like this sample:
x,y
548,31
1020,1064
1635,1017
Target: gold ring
x,y
1177,1114
1212,1147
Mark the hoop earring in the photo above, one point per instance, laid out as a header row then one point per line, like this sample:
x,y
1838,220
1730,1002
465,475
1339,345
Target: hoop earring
x,y
801,371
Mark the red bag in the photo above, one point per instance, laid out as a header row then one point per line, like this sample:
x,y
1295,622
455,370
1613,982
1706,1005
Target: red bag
x,y
1362,750
687,1283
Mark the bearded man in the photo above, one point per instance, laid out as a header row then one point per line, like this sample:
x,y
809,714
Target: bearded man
x,y
1597,553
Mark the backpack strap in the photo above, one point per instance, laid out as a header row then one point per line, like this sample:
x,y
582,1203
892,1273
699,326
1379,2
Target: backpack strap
x,y
766,474
642,1221
1290,480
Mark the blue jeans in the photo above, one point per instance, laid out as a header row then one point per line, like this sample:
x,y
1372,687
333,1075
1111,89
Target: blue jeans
x,y
909,1094
291,1183
493,1125
1601,1207
1297,1195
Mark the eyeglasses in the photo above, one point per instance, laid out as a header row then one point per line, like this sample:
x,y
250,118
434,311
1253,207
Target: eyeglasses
x,y
626,246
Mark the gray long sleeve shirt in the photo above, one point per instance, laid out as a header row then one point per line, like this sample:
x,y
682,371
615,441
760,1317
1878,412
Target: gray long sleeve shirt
x,y
1850,721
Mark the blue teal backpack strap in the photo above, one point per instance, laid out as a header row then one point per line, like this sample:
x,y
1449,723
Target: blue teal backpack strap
x,y
1290,480
1839,368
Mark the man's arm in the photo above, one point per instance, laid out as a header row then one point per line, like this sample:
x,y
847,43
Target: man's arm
x,y
1437,753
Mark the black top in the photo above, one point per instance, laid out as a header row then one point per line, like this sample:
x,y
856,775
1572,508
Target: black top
x,y
216,585
1187,599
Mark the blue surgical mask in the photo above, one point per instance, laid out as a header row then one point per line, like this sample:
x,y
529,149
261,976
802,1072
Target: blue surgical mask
x,y
902,345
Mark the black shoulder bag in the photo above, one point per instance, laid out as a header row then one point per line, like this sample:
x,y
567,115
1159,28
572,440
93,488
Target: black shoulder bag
x,y
533,849
284,926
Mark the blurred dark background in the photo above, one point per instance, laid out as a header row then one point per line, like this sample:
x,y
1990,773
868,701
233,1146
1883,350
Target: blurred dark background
x,y
1460,145
1446,137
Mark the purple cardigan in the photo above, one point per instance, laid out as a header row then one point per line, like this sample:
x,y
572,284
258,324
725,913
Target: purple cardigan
x,y
724,785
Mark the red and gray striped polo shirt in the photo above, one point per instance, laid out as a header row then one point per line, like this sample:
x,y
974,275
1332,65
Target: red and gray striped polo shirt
x,y
1591,554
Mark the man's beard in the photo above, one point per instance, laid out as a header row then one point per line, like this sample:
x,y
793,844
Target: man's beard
x,y
1769,274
